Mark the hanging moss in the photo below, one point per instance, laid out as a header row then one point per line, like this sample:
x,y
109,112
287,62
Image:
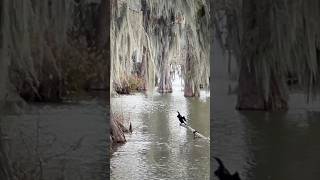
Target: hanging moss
x,y
273,39
158,34
46,43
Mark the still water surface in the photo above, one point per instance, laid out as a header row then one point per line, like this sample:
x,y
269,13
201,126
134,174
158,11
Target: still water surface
x,y
69,138
159,148
267,146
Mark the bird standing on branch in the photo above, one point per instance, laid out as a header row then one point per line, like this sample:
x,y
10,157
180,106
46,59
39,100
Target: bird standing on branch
x,y
182,119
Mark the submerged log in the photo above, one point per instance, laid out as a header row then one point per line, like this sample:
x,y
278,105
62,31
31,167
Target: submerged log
x,y
196,133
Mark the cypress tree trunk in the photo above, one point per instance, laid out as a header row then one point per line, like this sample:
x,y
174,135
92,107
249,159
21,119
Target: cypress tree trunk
x,y
191,86
4,168
165,84
103,41
103,21
261,82
251,93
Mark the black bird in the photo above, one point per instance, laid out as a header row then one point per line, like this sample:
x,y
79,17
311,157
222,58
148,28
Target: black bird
x,y
182,119
223,174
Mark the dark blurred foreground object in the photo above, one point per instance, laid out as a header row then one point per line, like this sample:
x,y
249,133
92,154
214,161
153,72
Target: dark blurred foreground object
x,y
223,174
182,119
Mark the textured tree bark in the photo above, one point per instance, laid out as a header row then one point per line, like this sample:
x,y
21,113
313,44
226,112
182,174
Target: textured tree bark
x,y
117,134
191,87
165,84
3,61
103,20
251,93
108,48
5,171
278,96
256,45
255,70
103,40
143,69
